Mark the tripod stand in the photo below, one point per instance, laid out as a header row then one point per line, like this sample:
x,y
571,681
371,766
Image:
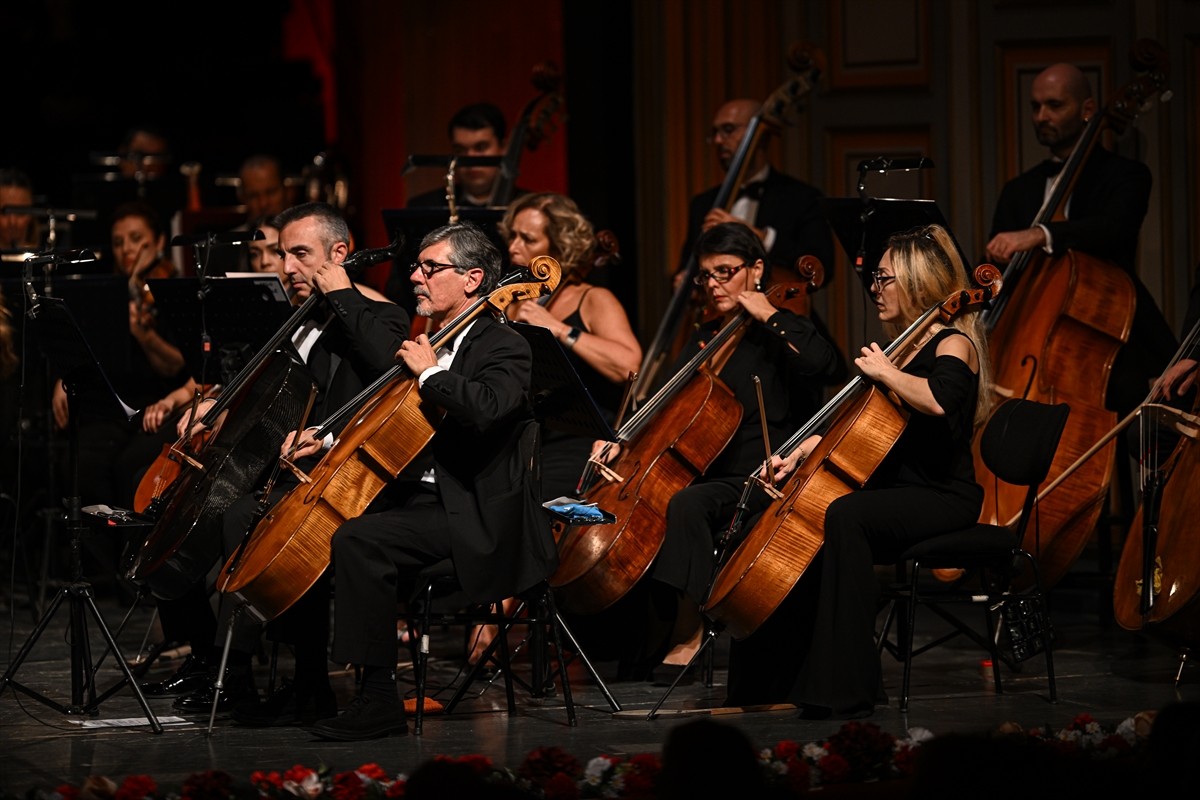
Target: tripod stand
x,y
65,346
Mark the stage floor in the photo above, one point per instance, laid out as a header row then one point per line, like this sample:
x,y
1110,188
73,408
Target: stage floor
x,y
1102,670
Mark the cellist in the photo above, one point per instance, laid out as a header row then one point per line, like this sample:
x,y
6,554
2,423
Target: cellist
x,y
925,486
1104,215
794,359
346,349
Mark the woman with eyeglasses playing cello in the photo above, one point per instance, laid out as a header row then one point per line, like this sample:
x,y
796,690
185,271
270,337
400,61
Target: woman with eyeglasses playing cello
x,y
923,487
792,360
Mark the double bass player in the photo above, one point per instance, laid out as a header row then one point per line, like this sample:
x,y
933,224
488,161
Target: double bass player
x,y
1103,218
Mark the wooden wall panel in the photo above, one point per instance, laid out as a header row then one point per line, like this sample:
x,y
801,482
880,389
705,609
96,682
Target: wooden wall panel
x,y
893,50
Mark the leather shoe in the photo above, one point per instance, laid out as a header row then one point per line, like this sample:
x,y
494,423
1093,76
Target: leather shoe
x,y
238,688
288,706
191,676
368,717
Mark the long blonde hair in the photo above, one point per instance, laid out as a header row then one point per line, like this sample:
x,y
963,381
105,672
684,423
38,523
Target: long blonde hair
x,y
929,269
572,238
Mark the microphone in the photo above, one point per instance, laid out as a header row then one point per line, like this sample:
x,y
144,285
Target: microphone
x,y
227,238
361,259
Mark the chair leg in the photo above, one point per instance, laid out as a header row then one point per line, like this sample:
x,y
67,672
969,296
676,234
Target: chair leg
x,y
422,662
910,621
1046,632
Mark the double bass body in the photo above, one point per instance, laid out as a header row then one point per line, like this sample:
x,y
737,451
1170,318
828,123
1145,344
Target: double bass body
x,y
1056,343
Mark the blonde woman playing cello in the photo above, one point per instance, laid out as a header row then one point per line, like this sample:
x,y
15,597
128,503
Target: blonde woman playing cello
x,y
925,486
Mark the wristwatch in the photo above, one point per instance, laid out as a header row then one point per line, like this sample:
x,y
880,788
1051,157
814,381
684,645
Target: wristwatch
x,y
572,337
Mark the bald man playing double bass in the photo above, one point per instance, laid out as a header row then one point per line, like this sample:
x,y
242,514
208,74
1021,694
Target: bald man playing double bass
x,y
1104,217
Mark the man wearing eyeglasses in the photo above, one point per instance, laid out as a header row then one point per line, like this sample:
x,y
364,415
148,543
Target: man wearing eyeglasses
x,y
784,212
469,496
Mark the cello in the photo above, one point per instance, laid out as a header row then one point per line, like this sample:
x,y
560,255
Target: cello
x,y
858,428
528,133
1059,324
289,548
1161,550
268,398
667,444
675,326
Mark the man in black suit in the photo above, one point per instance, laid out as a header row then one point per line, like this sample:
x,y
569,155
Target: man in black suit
x,y
784,212
1104,216
469,496
349,342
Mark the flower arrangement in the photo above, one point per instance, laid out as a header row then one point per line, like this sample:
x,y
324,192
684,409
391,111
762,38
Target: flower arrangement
x,y
858,752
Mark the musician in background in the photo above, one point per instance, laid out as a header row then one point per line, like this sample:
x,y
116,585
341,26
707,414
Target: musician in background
x,y
264,254
477,129
588,321
17,231
346,345
469,495
784,212
924,487
794,360
1104,217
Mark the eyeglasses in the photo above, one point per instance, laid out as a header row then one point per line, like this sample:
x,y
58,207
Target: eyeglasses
x,y
879,281
723,131
428,268
720,274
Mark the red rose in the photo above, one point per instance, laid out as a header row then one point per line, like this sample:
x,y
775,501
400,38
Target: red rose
x,y
348,786
786,749
136,787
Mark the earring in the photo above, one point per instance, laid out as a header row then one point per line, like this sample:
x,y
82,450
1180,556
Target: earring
x,y
758,286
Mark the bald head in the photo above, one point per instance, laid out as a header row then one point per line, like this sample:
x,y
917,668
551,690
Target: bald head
x,y
729,125
1062,103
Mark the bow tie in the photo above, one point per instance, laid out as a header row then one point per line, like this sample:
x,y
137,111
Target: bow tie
x,y
752,190
1050,168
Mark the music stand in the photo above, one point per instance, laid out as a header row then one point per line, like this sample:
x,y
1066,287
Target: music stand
x,y
65,346
562,402
863,226
226,316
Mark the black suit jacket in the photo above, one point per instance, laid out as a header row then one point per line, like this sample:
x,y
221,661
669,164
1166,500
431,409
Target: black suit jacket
x,y
1105,217
357,346
484,459
788,205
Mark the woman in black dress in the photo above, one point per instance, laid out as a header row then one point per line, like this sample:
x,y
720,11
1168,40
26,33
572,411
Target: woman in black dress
x,y
924,487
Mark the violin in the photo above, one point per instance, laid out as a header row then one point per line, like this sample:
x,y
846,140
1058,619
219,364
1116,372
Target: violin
x,y
142,297
858,428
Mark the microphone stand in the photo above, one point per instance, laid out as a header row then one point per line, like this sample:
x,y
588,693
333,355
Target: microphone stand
x,y
59,333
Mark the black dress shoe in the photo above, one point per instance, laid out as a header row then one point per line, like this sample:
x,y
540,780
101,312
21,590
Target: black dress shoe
x,y
368,717
238,689
288,706
191,676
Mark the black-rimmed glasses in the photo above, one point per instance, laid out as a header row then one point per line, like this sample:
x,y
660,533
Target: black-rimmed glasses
x,y
428,268
879,281
720,274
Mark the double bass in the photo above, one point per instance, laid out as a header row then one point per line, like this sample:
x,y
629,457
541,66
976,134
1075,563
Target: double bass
x,y
671,440
858,428
677,324
1058,327
288,549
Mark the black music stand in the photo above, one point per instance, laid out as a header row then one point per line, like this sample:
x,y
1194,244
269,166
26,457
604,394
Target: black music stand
x,y
229,317
67,349
863,226
561,402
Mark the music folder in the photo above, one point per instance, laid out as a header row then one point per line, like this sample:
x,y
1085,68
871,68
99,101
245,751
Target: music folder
x,y
560,400
239,314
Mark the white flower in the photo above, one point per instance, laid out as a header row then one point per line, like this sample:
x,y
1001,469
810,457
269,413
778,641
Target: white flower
x,y
597,770
814,752
919,735
309,787
1127,730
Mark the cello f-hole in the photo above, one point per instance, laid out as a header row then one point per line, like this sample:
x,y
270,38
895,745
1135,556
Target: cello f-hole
x,y
1026,361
